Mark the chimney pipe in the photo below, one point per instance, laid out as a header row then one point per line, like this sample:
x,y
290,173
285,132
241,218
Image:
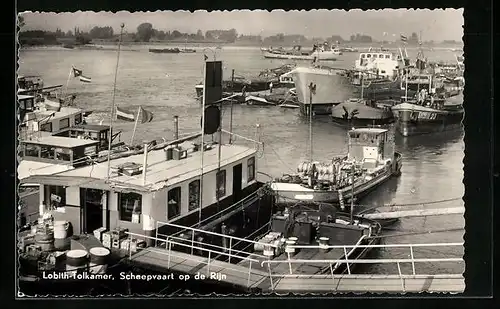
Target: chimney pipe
x,y
176,127
145,163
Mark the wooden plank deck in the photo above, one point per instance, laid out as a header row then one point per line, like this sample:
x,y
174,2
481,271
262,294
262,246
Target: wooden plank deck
x,y
157,259
237,275
374,284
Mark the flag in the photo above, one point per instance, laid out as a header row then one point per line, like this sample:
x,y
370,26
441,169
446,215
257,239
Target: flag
x,y
123,114
147,116
404,38
206,57
77,72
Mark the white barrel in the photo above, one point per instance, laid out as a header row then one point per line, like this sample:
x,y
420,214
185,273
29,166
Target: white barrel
x,y
45,245
60,229
288,248
99,255
99,260
76,260
268,251
323,243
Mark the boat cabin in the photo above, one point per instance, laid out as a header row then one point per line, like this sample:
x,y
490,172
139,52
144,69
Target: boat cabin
x,y
140,191
381,64
99,133
370,146
37,122
419,82
58,150
30,82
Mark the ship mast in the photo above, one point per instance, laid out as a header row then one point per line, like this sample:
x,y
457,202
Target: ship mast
x,y
112,116
312,90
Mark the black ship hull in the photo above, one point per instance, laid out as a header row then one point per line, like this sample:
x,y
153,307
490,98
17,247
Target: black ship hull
x,y
360,113
412,119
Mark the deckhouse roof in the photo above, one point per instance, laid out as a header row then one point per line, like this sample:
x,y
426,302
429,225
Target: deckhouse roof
x,y
160,173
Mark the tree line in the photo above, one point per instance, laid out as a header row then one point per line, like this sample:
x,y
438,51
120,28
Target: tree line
x,y
145,32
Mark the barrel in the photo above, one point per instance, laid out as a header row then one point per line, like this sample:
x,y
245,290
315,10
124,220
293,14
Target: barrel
x,y
60,229
99,260
45,245
76,260
44,236
268,251
288,248
323,243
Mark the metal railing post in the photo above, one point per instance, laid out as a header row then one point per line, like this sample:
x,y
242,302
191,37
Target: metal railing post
x,y
289,263
401,277
168,244
129,246
230,244
347,261
331,272
208,265
249,273
412,259
156,233
192,242
270,276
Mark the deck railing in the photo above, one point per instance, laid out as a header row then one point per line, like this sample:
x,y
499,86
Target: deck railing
x,y
334,263
214,253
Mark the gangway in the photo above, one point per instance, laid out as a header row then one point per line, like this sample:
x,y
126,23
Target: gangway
x,y
249,271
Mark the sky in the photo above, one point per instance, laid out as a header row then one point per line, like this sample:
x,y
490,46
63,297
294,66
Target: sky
x,y
434,25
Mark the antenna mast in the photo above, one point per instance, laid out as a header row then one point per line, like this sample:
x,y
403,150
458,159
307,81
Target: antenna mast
x,y
112,115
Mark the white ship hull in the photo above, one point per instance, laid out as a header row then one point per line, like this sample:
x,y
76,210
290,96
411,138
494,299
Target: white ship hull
x,y
331,88
326,55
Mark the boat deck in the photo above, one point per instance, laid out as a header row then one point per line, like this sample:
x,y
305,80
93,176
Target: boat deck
x,y
245,278
302,268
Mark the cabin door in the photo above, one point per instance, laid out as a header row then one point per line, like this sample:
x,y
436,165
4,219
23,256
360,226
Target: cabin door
x,y
92,205
237,178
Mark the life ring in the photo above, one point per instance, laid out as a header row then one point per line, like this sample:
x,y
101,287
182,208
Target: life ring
x,y
364,137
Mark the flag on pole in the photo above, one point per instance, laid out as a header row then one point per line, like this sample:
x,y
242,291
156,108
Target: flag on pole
x,y
404,38
79,73
126,115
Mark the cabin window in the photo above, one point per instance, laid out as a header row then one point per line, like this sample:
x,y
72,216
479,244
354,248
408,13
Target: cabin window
x,y
78,118
363,56
63,123
368,56
130,205
90,151
46,127
63,154
194,194
381,56
387,56
251,169
47,152
32,150
57,196
382,71
174,203
221,184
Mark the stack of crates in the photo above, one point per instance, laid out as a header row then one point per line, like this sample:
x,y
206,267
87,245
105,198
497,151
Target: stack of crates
x,y
99,232
117,235
106,239
137,245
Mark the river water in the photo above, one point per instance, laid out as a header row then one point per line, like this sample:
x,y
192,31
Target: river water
x,y
164,84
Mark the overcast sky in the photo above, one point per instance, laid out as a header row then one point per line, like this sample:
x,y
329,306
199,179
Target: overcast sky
x,y
435,24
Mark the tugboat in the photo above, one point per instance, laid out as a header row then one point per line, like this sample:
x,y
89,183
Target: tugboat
x,y
302,226
371,160
429,115
358,112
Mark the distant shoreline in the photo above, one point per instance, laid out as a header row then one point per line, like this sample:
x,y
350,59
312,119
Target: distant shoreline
x,y
193,44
